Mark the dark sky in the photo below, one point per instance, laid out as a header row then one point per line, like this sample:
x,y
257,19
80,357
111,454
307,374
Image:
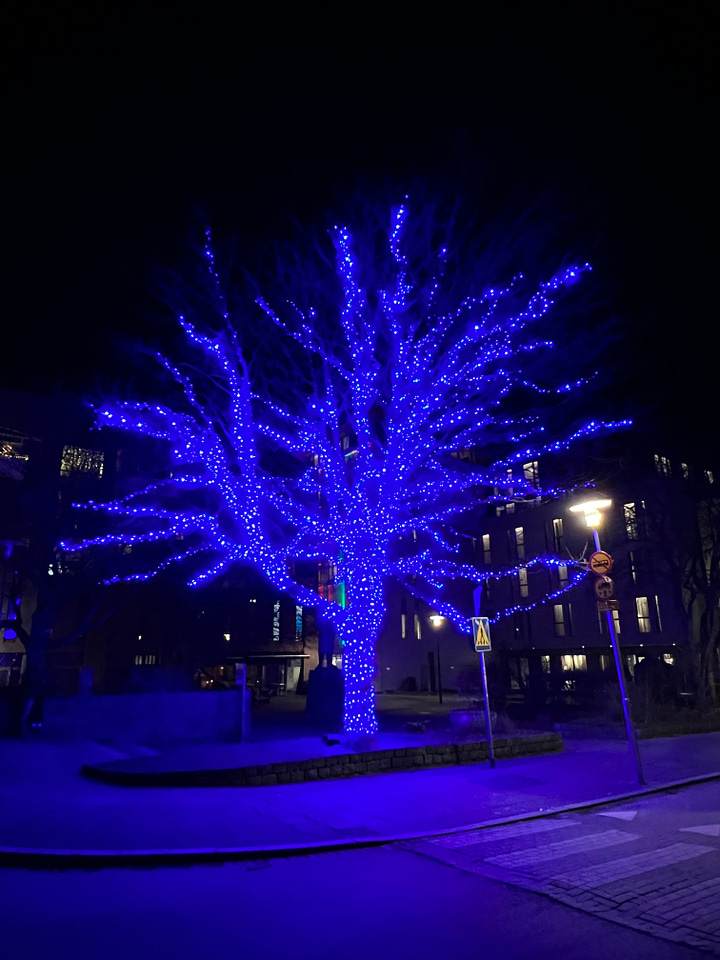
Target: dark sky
x,y
121,121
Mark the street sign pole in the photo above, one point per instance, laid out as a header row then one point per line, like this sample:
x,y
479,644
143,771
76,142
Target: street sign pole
x,y
632,737
481,639
488,728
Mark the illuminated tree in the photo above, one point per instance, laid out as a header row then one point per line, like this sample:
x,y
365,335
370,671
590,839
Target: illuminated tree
x,y
320,423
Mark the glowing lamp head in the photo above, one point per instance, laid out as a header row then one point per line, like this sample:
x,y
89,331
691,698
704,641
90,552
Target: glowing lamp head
x,y
591,511
436,620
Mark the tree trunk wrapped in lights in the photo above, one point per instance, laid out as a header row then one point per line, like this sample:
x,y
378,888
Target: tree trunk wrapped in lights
x,y
320,424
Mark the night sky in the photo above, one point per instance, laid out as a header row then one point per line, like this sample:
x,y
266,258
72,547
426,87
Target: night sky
x,y
121,123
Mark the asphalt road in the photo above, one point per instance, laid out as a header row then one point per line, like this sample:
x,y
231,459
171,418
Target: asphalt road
x,y
380,903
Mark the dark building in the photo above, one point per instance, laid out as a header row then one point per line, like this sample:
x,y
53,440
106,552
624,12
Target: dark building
x,y
544,645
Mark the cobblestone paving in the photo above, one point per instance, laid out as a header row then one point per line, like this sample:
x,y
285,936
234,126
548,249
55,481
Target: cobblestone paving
x,y
662,877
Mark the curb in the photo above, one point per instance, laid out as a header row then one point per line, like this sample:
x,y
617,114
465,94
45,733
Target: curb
x,y
98,859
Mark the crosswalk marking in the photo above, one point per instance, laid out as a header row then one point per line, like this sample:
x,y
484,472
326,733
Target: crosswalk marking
x,y
528,828
620,814
709,830
563,848
590,877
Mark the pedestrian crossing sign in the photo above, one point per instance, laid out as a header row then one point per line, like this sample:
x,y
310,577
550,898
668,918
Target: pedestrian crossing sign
x,y
481,634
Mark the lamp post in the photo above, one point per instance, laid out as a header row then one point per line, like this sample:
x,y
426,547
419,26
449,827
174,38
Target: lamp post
x,y
593,518
437,621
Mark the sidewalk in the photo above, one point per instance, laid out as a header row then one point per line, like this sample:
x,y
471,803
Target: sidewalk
x,y
50,810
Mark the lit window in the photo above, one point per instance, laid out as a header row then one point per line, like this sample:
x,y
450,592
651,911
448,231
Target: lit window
x,y
685,470
298,624
530,470
662,465
634,517
403,618
558,535
574,661
657,611
643,614
418,627
523,579
13,455
138,659
559,618
709,476
519,542
604,661
78,460
545,664
487,556
669,658
603,624
500,510
510,507
562,574
276,621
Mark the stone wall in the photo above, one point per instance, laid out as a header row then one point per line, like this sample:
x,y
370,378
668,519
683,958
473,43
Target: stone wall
x,y
336,767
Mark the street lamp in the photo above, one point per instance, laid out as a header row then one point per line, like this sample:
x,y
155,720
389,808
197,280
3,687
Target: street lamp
x,y
593,518
437,621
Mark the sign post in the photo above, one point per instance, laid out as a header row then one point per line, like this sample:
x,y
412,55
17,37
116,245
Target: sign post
x,y
481,639
600,563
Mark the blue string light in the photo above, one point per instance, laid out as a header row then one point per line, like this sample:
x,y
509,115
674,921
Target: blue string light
x,y
394,380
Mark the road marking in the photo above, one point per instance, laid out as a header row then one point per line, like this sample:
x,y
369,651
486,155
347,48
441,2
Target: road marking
x,y
710,830
529,828
590,877
620,814
563,848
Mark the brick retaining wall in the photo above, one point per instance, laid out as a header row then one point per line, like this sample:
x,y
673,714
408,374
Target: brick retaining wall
x,y
333,767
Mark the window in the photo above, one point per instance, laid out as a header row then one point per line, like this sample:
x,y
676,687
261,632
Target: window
x,y
558,535
79,460
685,470
519,543
559,618
634,516
657,611
510,507
574,661
643,614
523,580
138,659
545,664
276,622
562,574
13,455
605,662
530,471
522,625
603,624
709,476
669,658
403,618
418,627
662,465
298,624
487,556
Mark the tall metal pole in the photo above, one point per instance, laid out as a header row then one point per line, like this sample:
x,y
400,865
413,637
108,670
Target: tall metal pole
x,y
488,728
439,675
632,737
